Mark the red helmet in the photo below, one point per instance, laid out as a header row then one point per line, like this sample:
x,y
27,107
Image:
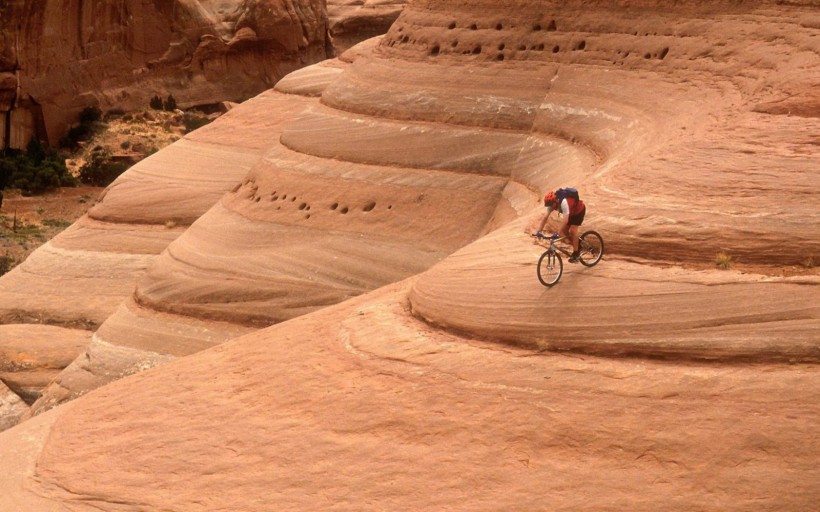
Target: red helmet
x,y
550,198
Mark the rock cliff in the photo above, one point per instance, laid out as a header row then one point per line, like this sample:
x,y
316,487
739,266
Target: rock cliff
x,y
59,56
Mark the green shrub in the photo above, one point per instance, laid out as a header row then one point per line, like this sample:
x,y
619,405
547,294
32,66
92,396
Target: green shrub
x,y
170,103
89,118
99,170
90,115
34,172
723,261
192,121
156,102
6,264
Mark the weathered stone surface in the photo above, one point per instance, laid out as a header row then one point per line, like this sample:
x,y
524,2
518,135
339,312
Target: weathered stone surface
x,y
371,406
650,382
12,407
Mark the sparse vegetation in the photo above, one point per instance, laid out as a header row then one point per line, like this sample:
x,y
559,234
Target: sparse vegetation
x,y
723,261
156,102
6,263
89,125
56,223
26,222
193,120
100,170
170,104
36,171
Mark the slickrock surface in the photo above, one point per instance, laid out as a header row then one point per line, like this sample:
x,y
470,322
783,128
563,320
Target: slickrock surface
x,y
651,382
360,406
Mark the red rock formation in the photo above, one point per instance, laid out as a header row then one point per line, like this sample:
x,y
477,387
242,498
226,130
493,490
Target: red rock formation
x,y
651,382
74,53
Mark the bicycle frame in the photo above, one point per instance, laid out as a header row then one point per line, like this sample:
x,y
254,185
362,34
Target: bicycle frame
x,y
552,247
550,266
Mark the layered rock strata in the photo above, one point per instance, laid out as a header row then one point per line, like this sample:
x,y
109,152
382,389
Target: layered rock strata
x,y
469,385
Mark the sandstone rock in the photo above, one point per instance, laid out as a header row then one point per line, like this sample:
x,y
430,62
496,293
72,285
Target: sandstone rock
x,y
12,407
109,54
650,382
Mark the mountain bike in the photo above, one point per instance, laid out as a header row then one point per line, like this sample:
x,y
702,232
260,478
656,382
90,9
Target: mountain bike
x,y
550,265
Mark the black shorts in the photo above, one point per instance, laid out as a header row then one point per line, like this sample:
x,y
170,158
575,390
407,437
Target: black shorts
x,y
578,218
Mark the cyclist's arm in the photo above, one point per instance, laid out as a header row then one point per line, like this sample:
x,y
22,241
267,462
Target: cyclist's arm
x,y
565,218
545,219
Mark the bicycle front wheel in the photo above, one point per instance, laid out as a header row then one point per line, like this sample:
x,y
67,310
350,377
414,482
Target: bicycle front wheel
x,y
591,246
550,268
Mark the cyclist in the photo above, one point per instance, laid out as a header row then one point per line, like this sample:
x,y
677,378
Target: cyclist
x,y
572,209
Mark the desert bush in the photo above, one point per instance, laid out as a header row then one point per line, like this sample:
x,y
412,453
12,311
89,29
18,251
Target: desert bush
x,y
89,118
90,115
193,120
170,103
156,102
6,264
125,144
723,261
99,170
34,172
56,223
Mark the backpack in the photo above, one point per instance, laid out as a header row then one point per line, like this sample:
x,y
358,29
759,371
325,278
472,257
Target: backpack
x,y
572,197
564,193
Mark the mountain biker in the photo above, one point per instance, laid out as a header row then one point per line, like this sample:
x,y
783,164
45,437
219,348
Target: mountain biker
x,y
572,209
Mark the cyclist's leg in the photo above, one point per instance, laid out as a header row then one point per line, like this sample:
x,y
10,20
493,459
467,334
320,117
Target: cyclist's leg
x,y
573,234
574,223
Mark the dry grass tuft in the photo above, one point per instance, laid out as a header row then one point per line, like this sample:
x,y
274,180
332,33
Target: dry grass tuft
x,y
723,261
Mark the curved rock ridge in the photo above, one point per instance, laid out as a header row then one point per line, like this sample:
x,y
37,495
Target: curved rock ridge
x,y
134,220
625,90
83,275
357,398
619,308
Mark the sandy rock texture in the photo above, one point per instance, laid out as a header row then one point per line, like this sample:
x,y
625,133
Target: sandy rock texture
x,y
59,56
30,357
350,318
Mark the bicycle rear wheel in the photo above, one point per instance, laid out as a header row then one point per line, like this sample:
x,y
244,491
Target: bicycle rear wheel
x,y
550,268
591,246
